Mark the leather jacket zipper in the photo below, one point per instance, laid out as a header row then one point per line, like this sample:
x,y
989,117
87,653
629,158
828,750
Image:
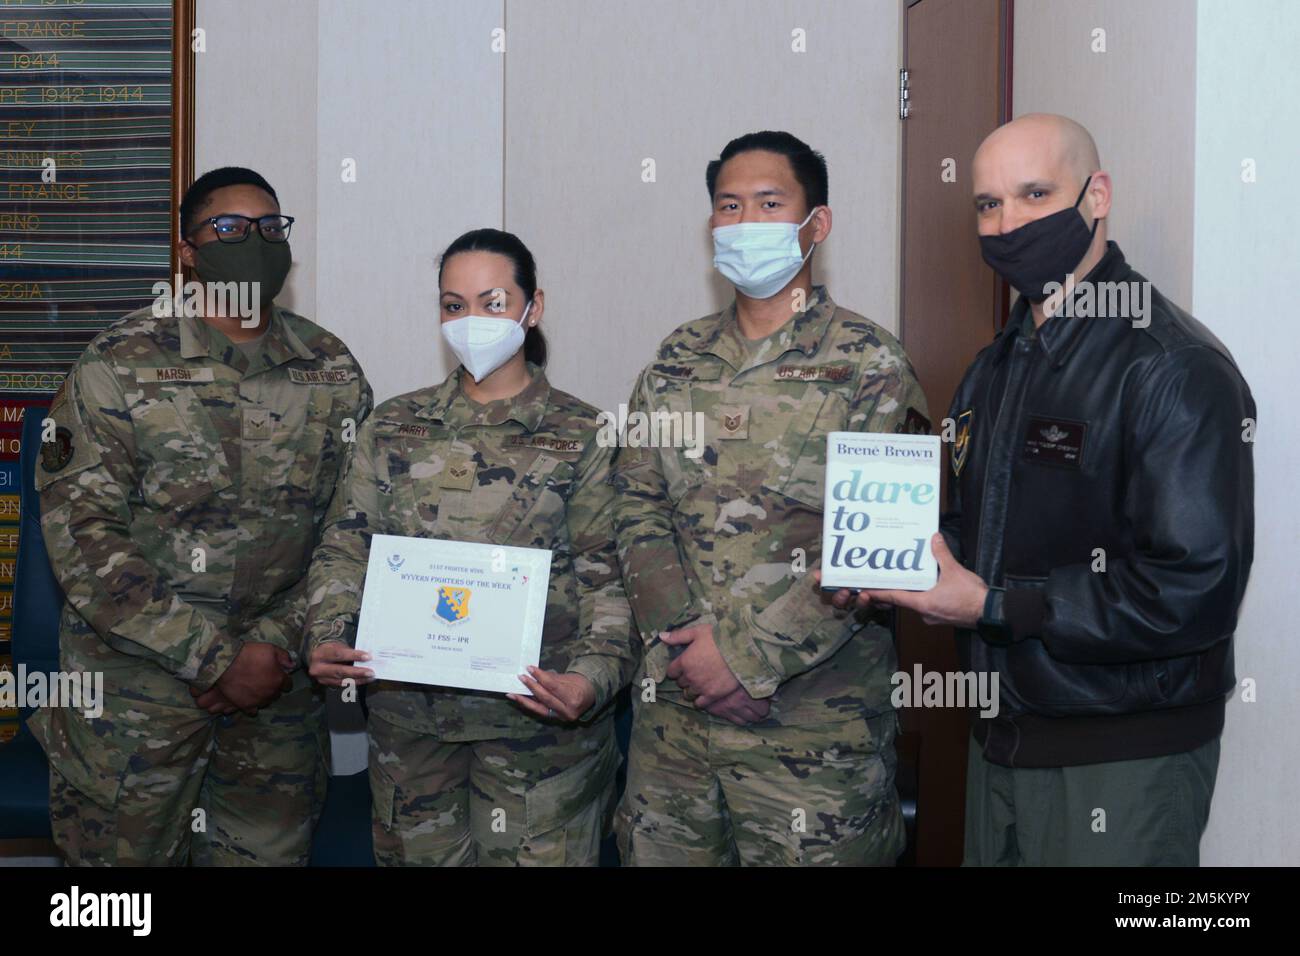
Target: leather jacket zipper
x,y
1012,391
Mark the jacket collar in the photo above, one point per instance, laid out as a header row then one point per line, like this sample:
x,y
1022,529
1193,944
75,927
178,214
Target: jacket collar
x,y
1060,335
450,404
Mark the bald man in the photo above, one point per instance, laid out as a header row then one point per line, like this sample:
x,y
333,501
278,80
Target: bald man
x,y
1100,532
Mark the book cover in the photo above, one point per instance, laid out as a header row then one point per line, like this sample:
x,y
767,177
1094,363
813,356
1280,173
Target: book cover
x,y
882,507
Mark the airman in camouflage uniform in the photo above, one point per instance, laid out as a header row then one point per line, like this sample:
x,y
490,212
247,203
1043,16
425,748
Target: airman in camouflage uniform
x,y
181,496
762,730
717,539
722,538
465,777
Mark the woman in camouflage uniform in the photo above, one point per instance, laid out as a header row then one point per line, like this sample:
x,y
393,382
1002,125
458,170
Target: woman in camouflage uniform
x,y
492,454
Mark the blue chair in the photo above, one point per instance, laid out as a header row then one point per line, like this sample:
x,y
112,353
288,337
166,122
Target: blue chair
x,y
38,600
343,836
609,855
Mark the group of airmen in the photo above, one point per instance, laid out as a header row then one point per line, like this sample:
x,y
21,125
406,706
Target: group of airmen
x,y
212,485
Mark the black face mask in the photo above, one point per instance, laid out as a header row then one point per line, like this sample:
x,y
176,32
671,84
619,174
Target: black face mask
x,y
253,260
1041,251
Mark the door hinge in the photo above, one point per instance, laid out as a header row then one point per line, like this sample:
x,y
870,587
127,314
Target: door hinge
x,y
904,95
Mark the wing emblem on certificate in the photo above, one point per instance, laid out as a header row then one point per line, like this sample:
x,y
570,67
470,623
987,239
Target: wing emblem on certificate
x,y
453,604
453,613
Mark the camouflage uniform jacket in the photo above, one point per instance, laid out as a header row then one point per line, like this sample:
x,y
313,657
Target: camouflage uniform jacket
x,y
184,489
527,472
716,536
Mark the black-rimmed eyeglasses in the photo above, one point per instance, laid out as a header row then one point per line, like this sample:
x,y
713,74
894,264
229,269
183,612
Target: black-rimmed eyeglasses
x,y
234,228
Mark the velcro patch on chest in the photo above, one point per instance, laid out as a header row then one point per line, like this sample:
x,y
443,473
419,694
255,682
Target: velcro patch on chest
x,y
458,474
548,442
673,370
386,428
733,421
835,372
1054,441
709,371
256,424
321,376
176,374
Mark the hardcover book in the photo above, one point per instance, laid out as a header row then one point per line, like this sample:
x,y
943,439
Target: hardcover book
x,y
882,507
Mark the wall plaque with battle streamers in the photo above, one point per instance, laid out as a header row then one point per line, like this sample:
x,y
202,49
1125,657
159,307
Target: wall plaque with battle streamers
x,y
95,146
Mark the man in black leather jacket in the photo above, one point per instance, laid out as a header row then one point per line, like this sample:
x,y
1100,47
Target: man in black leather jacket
x,y
1100,531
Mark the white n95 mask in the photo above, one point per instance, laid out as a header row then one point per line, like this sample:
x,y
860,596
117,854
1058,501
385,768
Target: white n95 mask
x,y
759,258
483,343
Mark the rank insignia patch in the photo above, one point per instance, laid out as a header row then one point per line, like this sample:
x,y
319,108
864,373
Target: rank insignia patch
x,y
458,474
733,421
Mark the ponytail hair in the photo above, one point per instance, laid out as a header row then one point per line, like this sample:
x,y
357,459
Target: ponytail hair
x,y
509,245
535,346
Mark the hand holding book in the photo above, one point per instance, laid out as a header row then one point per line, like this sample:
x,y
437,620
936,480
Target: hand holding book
x,y
957,600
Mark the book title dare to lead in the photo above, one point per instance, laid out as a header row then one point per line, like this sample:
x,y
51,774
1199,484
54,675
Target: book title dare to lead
x,y
882,507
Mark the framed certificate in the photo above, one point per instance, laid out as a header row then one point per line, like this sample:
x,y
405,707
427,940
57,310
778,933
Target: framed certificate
x,y
453,613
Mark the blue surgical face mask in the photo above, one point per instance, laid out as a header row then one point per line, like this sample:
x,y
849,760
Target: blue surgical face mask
x,y
759,258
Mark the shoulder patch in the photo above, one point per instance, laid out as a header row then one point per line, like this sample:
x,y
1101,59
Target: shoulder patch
x,y
961,444
70,449
914,423
56,454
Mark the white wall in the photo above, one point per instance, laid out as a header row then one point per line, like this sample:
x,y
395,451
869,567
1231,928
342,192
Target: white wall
x,y
410,90
255,106
1138,99
1247,263
595,87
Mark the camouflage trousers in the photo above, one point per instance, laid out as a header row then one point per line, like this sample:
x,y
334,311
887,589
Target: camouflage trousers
x,y
538,801
702,791
160,782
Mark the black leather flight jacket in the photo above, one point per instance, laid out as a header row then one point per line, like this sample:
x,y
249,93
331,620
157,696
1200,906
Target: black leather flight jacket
x,y
1104,479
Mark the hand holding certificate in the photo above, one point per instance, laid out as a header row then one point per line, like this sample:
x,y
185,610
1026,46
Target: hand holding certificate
x,y
453,613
